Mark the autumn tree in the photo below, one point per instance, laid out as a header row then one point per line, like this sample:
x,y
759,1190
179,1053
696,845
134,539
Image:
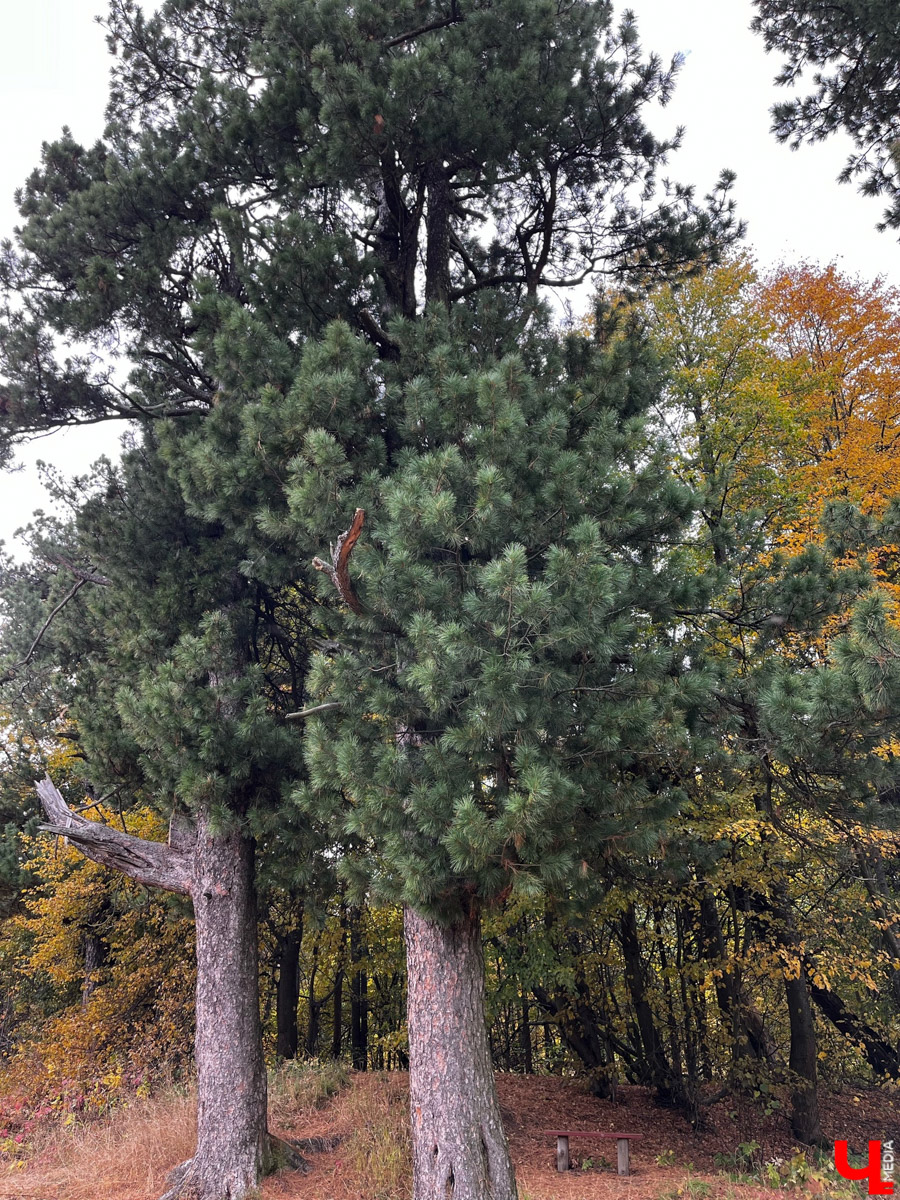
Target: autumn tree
x,y
782,398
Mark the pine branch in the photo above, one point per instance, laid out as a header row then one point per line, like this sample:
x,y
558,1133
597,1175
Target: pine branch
x,y
340,556
454,19
151,863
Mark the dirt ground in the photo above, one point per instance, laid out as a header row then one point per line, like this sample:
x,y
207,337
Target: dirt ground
x,y
371,1162
532,1105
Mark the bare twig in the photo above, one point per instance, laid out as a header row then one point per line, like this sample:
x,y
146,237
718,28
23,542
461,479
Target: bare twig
x,y
12,671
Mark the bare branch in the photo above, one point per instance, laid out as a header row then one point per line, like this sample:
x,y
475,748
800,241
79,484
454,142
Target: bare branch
x,y
11,671
340,556
454,19
86,574
151,863
311,712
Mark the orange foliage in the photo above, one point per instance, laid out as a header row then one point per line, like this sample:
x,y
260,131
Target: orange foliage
x,y
839,341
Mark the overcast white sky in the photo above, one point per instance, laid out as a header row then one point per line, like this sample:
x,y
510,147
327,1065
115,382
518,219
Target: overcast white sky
x,y
53,71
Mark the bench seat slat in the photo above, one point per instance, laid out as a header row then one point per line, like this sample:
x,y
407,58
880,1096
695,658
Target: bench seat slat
x,y
595,1133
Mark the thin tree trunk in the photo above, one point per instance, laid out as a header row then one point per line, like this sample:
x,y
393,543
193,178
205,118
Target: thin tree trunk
x,y
314,1007
525,1035
659,1073
802,1062
459,1146
359,995
337,1014
94,956
287,995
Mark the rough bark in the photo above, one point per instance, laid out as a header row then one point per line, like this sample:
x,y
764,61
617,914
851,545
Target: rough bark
x,y
437,247
459,1146
232,1142
151,863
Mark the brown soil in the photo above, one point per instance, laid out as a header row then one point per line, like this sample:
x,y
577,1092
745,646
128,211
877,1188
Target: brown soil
x,y
532,1105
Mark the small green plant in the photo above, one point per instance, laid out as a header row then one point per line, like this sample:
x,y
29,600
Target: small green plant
x,y
695,1189
666,1159
742,1164
817,1177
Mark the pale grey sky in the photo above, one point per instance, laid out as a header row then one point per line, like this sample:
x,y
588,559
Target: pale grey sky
x,y
53,71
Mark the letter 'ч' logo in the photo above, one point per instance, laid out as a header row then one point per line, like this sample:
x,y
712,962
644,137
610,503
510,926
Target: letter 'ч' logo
x,y
872,1169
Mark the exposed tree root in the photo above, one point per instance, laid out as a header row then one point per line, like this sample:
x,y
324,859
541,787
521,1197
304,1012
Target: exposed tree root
x,y
192,1180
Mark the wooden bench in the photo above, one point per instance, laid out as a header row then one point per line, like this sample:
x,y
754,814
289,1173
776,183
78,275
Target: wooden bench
x,y
562,1145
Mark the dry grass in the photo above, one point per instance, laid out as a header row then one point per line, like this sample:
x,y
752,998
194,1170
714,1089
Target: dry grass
x,y
124,1157
128,1155
297,1090
379,1149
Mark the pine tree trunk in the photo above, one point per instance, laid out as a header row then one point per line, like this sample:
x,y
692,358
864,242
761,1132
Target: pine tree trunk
x,y
460,1150
233,1151
216,869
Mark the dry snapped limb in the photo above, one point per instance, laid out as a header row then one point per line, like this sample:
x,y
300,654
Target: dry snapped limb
x,y
337,570
152,863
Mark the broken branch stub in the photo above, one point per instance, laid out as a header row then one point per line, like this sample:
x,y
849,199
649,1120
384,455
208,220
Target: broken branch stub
x,y
337,569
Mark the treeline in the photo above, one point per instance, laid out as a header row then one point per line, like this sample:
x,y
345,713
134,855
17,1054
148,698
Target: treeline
x,y
754,943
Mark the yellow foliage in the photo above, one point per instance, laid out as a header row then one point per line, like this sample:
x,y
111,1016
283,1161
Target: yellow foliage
x,y
96,1033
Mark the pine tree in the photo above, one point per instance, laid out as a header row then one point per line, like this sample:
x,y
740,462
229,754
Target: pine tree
x,y
274,166
853,51
174,693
